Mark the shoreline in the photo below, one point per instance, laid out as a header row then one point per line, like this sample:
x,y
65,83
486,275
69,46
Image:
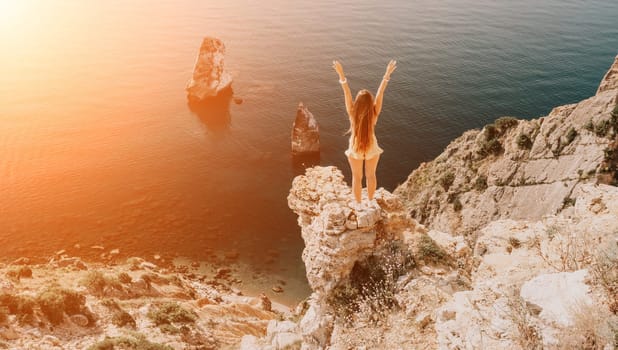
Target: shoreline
x,y
241,277
218,309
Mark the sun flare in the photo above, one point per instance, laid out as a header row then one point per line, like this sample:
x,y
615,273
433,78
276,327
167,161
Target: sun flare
x,y
10,12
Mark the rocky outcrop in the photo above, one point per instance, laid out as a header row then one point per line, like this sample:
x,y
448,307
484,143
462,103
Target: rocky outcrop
x,y
209,74
336,236
518,169
349,250
305,132
610,80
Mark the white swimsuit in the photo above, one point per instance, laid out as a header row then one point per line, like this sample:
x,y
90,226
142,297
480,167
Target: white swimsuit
x,y
373,150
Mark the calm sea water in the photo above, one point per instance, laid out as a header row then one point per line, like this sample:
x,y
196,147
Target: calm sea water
x,y
98,145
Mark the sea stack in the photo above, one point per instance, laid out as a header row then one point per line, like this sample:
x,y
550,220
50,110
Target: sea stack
x,y
209,74
305,133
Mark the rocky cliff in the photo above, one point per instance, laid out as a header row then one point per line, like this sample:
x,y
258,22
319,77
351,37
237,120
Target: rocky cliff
x,y
518,169
507,240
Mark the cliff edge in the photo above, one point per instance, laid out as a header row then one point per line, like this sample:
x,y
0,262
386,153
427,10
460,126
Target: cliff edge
x,y
518,169
507,240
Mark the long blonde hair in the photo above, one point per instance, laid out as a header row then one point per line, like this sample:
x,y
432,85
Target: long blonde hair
x,y
362,121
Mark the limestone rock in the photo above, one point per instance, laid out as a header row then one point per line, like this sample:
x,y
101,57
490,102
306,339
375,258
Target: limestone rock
x,y
610,80
558,295
209,74
322,201
305,132
338,234
517,283
251,342
471,184
316,326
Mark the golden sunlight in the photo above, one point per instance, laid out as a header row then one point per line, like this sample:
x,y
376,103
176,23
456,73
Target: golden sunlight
x,y
10,12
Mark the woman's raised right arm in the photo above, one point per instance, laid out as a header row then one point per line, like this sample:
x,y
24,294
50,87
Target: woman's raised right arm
x,y
380,94
344,85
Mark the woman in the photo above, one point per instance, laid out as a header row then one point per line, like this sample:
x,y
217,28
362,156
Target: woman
x,y
363,145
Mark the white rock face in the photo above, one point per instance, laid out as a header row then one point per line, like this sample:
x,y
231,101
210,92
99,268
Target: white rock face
x,y
305,132
209,74
557,294
532,273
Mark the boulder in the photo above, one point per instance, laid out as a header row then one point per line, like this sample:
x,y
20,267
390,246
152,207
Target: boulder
x,y
305,132
209,74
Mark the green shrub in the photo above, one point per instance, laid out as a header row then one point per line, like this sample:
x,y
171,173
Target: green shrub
x,y
523,141
52,305
430,251
602,127
74,302
480,184
120,317
505,123
18,304
171,312
457,206
492,146
97,282
613,119
170,329
491,132
568,202
55,302
446,180
570,136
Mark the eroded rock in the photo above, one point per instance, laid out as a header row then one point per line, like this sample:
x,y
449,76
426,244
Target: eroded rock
x,y
209,74
305,132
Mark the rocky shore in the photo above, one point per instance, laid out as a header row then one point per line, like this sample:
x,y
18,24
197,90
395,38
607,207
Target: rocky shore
x,y
67,303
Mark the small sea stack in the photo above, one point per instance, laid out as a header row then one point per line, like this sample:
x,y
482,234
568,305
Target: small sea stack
x,y
209,74
305,133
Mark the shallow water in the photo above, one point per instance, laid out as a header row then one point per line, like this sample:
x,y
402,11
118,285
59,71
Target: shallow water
x,y
98,145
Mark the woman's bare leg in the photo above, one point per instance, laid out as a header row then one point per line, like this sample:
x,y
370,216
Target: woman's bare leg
x,y
357,177
370,175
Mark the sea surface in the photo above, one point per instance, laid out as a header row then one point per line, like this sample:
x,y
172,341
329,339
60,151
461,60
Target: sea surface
x,y
99,147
